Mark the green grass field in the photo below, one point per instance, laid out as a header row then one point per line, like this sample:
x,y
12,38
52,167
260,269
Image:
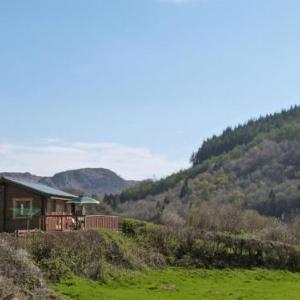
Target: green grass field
x,y
188,284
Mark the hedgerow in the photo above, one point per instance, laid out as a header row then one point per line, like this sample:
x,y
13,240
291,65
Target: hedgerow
x,y
102,255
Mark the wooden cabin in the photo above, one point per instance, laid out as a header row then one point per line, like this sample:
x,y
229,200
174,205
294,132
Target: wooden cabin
x,y
29,205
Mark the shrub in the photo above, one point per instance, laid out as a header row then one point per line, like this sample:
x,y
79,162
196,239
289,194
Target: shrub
x,y
20,276
55,269
133,227
100,255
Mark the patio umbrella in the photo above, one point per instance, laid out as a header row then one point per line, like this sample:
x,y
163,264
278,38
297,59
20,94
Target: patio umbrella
x,y
82,200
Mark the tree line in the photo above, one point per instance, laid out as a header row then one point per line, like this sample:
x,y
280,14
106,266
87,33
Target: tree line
x,y
243,134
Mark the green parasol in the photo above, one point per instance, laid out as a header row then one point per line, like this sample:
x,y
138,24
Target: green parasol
x,y
83,200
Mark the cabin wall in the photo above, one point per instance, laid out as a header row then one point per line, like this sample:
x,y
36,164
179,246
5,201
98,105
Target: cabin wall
x,y
12,192
58,206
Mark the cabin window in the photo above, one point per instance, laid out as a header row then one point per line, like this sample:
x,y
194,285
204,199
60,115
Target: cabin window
x,y
22,208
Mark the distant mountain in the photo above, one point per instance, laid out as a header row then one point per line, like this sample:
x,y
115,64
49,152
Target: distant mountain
x,y
22,176
91,181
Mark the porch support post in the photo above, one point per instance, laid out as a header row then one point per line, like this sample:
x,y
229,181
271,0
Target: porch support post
x,y
43,212
4,205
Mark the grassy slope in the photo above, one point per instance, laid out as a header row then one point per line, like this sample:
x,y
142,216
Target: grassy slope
x,y
189,284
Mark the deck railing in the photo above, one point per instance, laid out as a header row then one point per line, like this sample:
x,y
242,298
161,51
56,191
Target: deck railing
x,y
101,221
59,222
67,222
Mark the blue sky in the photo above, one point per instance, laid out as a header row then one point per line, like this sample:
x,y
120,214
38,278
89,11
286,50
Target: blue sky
x,y
136,85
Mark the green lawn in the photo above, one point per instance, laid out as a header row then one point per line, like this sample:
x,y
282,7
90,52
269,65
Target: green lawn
x,y
189,284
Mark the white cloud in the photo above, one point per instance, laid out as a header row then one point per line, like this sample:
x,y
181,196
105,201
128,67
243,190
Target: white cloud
x,y
48,159
51,140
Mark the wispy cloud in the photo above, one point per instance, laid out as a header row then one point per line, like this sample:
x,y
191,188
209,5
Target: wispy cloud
x,y
49,158
51,140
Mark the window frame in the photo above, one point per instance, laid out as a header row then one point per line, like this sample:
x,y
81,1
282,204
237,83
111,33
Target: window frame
x,y
15,200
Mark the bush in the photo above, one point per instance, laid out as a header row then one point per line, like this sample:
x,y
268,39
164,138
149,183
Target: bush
x,y
55,268
196,248
100,255
94,254
20,276
133,227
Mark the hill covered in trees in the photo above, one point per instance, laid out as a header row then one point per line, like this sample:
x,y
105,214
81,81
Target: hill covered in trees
x,y
254,167
232,143
244,134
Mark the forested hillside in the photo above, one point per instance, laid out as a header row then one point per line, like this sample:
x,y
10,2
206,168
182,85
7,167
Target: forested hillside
x,y
246,133
253,167
232,143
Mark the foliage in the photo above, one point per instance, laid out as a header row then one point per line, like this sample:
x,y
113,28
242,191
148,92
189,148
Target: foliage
x,y
20,276
190,247
150,187
232,144
55,268
92,254
105,255
246,133
265,179
135,227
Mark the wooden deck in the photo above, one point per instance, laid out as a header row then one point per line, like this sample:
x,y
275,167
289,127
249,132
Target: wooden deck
x,y
101,221
59,222
65,222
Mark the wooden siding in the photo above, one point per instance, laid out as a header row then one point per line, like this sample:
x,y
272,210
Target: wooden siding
x,y
15,192
39,202
55,206
54,214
